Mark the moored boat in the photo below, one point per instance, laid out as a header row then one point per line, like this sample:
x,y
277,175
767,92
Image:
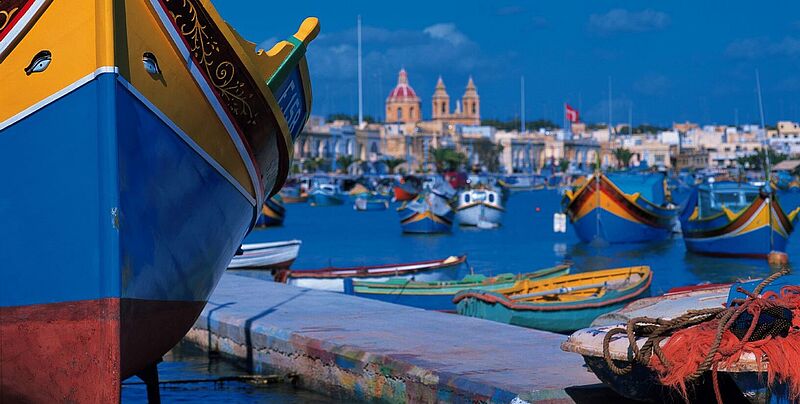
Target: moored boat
x,y
276,255
560,304
476,206
371,202
732,219
405,192
273,213
634,212
439,295
332,278
325,195
293,194
170,130
428,213
744,376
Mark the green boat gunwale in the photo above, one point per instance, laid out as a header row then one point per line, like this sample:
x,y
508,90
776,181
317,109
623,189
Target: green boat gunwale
x,y
498,298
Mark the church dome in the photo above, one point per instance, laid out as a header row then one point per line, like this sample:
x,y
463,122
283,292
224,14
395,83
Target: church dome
x,y
403,91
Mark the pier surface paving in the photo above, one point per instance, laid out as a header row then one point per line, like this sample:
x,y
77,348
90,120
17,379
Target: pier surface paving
x,y
369,350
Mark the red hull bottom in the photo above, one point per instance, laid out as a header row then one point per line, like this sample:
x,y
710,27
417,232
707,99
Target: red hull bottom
x,y
79,352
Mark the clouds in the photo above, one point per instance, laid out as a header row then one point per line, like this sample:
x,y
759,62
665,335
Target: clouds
x,y
447,32
621,21
440,48
752,48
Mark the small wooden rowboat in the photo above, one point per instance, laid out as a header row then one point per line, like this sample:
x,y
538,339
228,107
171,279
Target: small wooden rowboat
x,y
278,255
332,278
439,295
561,304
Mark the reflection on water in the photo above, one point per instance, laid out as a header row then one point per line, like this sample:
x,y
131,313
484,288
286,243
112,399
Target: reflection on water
x,y
525,242
187,362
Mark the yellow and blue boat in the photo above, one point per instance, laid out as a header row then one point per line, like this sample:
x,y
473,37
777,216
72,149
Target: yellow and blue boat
x,y
621,208
273,213
561,304
737,220
160,132
427,213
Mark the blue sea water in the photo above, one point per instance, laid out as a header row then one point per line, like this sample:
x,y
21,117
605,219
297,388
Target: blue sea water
x,y
340,236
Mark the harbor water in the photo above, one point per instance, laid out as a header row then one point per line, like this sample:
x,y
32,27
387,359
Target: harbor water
x,y
341,236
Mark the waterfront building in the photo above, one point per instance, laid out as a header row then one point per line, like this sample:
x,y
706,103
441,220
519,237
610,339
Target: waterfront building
x,y
786,138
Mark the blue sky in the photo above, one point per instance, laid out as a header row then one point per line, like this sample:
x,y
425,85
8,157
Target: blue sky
x,y
668,60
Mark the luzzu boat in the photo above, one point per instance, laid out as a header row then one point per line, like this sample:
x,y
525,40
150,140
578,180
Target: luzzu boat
x,y
439,295
478,206
621,208
160,132
562,304
427,213
272,212
731,219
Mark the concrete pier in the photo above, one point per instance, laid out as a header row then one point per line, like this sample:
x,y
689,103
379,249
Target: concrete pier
x,y
357,348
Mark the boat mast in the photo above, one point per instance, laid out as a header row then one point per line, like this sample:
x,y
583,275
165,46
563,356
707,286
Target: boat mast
x,y
767,168
522,104
360,79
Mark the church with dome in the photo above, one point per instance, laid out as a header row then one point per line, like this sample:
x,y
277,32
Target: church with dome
x,y
404,106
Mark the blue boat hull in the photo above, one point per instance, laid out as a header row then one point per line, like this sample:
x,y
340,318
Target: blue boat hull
x,y
442,302
752,244
325,200
615,229
138,208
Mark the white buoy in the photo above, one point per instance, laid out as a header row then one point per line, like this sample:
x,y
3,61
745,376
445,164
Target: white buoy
x,y
559,223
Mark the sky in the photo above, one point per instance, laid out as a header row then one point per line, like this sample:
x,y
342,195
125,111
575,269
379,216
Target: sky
x,y
668,61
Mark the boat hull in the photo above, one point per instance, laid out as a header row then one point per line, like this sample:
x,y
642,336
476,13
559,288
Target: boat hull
x,y
600,210
439,298
479,212
365,205
426,223
113,270
554,321
751,233
320,200
273,213
338,284
270,256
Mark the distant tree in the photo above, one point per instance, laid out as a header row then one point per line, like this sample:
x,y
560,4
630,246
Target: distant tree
x,y
393,163
647,128
596,126
345,161
447,159
514,124
757,161
488,154
563,165
623,157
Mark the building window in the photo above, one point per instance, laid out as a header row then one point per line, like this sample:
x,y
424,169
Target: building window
x,y
399,113
411,113
444,111
474,108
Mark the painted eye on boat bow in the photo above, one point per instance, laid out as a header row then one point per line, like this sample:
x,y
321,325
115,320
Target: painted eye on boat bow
x,y
151,64
39,63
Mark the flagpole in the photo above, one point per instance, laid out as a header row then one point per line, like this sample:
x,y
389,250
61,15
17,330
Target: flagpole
x,y
360,79
522,104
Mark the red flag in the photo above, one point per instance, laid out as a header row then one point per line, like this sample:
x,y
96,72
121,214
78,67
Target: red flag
x,y
572,114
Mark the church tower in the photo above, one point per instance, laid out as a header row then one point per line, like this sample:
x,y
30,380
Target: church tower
x,y
441,101
472,104
403,105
